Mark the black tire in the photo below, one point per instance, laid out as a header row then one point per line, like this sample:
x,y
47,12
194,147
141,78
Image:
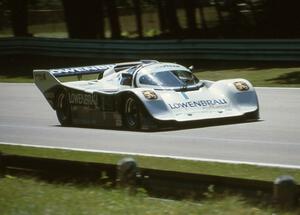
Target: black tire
x,y
63,109
132,113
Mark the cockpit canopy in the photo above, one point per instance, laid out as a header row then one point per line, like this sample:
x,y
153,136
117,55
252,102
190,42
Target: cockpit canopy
x,y
173,78
168,79
154,75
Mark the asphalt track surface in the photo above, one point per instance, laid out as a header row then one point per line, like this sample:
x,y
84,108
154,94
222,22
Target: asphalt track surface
x,y
26,118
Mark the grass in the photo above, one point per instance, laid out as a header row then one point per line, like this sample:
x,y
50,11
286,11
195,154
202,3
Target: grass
x,y
210,168
19,79
260,74
20,195
259,77
29,196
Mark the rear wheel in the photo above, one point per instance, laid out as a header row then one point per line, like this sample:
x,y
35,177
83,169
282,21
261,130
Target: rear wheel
x,y
132,113
63,109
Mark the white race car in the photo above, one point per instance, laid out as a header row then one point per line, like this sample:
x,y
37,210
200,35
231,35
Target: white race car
x,y
146,94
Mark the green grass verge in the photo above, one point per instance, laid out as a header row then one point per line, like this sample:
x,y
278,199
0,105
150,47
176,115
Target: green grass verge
x,y
210,168
264,76
32,197
15,79
259,77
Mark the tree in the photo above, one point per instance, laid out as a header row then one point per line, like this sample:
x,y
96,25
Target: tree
x,y
172,19
281,19
19,17
190,14
202,16
167,14
161,16
113,17
84,19
1,14
138,17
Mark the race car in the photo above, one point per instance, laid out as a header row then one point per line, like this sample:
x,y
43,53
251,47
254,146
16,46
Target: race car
x,y
145,94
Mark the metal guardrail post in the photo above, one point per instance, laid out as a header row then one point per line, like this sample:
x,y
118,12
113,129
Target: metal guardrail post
x,y
285,192
157,182
2,165
127,171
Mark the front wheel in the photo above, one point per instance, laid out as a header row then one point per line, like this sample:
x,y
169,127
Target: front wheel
x,y
132,113
63,109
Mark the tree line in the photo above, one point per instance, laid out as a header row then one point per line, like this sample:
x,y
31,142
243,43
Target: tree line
x,y
236,18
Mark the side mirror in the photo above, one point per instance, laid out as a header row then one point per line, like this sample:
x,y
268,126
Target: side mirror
x,y
191,67
126,79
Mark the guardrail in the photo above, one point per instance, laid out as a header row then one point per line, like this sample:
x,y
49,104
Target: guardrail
x,y
159,183
263,50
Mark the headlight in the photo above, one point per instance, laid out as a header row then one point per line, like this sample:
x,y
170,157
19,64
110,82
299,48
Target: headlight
x,y
241,86
150,95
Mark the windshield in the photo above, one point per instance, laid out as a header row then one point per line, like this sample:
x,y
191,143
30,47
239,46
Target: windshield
x,y
174,78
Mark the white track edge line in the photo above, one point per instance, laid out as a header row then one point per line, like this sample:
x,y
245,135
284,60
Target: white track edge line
x,y
160,156
278,88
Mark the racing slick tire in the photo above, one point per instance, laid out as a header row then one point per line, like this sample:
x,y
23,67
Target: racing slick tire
x,y
63,109
132,113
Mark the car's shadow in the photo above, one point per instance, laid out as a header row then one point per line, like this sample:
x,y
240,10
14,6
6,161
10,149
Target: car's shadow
x,y
176,127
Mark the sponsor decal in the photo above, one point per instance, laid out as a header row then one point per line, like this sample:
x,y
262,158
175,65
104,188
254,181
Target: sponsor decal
x,y
80,70
150,95
170,66
209,103
241,86
82,99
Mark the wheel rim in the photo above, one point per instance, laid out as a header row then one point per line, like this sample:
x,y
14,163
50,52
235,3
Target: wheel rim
x,y
131,112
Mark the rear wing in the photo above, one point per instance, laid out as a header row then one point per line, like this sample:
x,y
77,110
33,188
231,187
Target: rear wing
x,y
96,69
47,79
86,70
